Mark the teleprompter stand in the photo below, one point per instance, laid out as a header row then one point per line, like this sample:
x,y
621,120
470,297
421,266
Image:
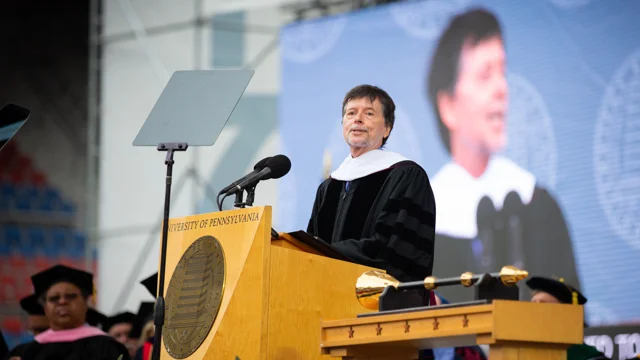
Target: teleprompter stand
x,y
192,110
158,317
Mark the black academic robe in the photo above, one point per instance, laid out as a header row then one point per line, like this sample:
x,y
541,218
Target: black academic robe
x,y
584,352
385,220
4,350
147,346
101,347
532,236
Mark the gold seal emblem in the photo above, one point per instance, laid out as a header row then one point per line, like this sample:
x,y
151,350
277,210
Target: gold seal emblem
x,y
194,297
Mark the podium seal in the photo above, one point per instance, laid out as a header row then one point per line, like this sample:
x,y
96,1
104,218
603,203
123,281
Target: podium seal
x,y
194,297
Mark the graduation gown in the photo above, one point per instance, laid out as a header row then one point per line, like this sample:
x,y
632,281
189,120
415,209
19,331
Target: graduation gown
x,y
100,347
3,346
385,220
145,351
584,352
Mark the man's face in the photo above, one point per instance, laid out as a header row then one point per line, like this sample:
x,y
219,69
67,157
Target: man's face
x,y
476,113
120,332
543,297
363,125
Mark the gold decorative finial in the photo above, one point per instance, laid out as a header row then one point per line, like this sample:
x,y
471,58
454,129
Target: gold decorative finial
x,y
430,282
466,279
370,286
510,275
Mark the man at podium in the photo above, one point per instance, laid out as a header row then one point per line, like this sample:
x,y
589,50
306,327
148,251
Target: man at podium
x,y
377,208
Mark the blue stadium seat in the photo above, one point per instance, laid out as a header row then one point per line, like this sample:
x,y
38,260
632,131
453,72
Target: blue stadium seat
x,y
7,195
26,197
58,238
5,249
68,208
7,188
10,241
36,241
50,200
79,242
51,247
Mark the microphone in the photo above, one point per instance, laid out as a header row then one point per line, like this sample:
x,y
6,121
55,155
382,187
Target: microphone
x,y
485,219
256,169
514,217
513,209
275,167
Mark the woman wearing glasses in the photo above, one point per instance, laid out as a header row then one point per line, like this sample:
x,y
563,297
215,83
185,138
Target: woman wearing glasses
x,y
63,293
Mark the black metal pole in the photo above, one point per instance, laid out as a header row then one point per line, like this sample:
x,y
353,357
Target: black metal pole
x,y
158,317
446,281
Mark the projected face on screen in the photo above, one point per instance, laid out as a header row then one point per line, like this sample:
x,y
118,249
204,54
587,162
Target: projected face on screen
x,y
475,112
527,152
491,210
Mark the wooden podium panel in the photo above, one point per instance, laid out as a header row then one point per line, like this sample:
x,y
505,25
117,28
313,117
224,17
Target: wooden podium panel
x,y
244,236
305,288
513,329
275,294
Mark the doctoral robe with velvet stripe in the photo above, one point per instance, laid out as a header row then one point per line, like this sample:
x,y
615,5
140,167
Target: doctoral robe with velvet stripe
x,y
384,220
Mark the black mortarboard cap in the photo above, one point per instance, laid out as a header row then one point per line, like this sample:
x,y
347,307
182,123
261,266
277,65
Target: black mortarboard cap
x,y
565,293
96,318
123,317
144,315
151,283
31,305
42,281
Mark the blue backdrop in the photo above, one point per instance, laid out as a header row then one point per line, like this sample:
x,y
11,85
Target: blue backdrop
x,y
574,115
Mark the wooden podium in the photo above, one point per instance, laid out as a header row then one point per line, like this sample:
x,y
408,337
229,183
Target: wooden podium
x,y
274,295
280,300
513,329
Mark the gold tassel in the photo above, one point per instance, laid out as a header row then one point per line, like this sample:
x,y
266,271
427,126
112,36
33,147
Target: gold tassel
x,y
574,298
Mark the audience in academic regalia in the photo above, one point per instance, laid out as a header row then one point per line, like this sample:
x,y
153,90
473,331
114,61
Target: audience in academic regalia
x,y
142,330
37,321
546,290
66,327
63,293
143,327
119,326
